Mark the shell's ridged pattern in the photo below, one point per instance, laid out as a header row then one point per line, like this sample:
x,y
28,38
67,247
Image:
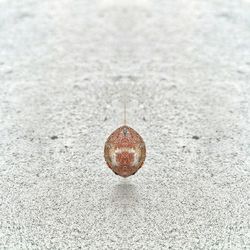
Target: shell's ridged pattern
x,y
125,151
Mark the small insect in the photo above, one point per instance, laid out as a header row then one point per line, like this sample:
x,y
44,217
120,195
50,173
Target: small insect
x,y
125,151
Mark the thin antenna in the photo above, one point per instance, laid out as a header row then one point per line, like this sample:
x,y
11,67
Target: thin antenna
x,y
125,113
124,106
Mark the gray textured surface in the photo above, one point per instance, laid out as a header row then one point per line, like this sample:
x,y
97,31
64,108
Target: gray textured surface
x,y
186,65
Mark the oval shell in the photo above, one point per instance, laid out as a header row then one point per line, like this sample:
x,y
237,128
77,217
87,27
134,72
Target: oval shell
x,y
125,151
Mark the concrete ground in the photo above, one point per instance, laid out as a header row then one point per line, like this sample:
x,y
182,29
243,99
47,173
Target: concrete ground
x,y
185,67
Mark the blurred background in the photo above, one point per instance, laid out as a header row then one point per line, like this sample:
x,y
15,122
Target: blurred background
x,y
185,65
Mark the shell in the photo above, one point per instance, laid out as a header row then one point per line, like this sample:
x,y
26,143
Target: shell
x,y
125,151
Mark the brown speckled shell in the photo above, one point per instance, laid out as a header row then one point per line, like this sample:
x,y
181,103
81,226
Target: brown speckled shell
x,y
125,151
